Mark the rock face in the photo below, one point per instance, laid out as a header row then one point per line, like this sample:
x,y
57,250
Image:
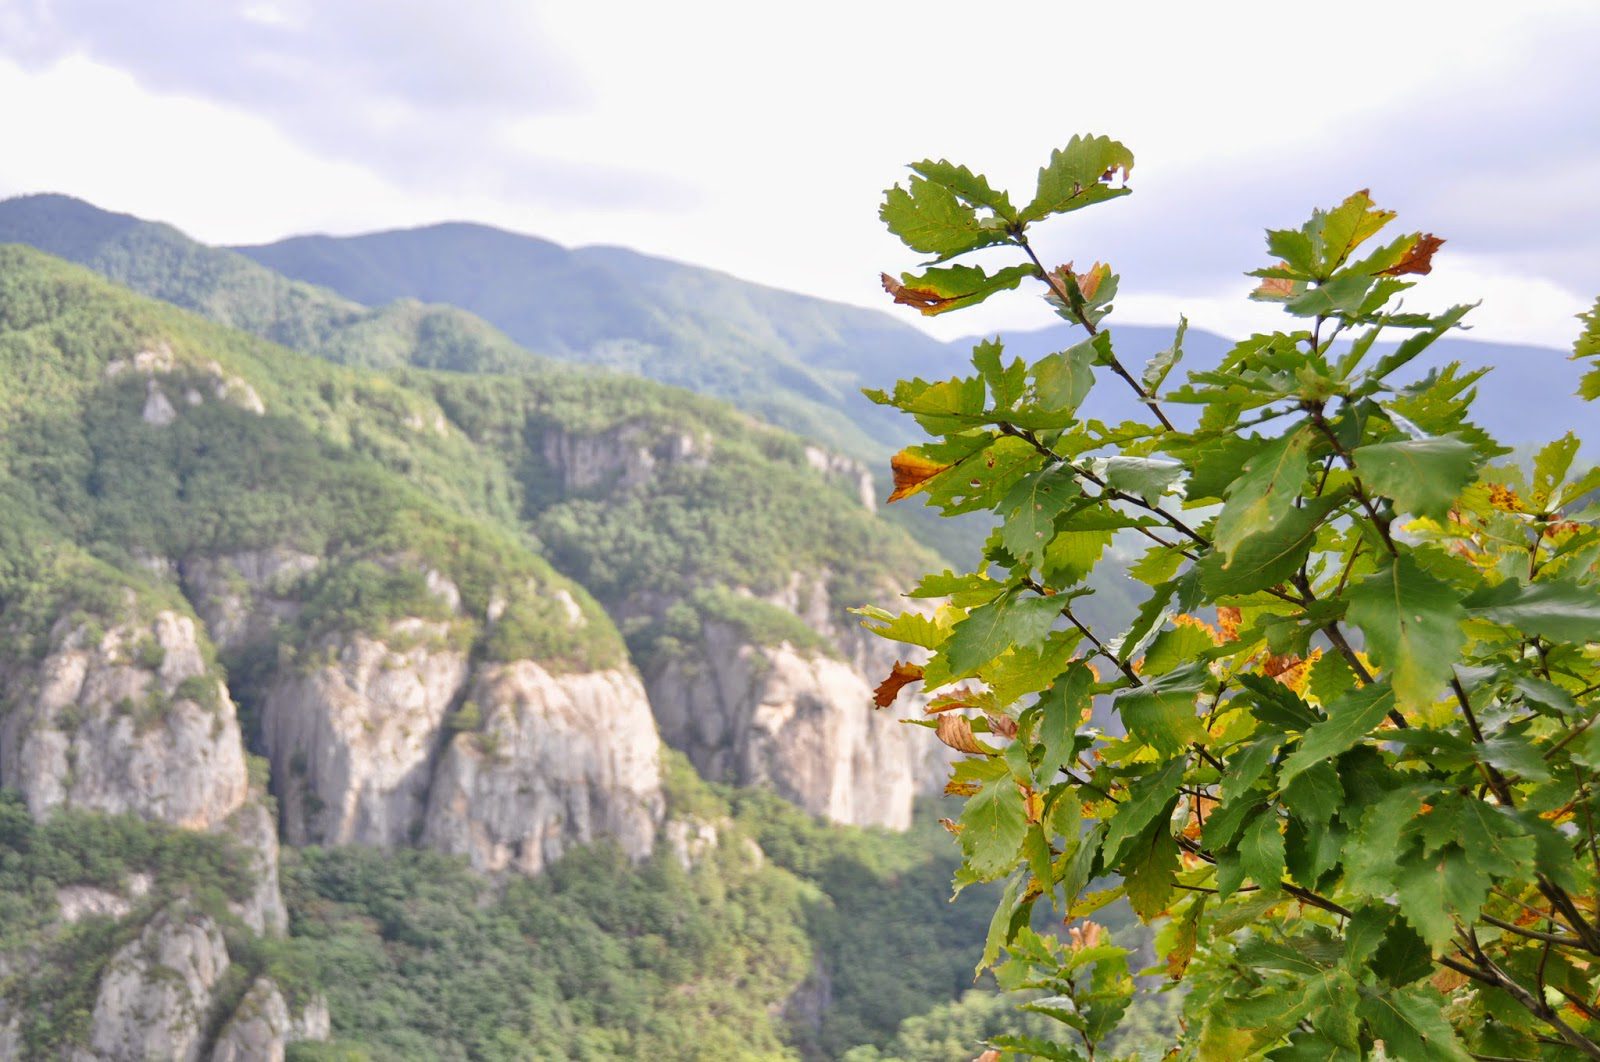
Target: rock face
x,y
558,760
801,724
157,991
130,720
254,827
352,741
242,596
504,763
259,1028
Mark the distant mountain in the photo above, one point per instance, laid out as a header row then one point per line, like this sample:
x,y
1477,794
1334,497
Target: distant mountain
x,y
157,260
797,361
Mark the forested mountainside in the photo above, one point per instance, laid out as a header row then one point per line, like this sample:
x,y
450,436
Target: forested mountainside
x,y
429,629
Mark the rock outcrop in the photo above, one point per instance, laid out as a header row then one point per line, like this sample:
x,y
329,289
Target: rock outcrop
x,y
129,720
156,991
259,1029
556,760
353,741
800,723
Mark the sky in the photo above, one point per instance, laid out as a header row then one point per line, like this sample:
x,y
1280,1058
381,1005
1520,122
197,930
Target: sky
x,y
757,138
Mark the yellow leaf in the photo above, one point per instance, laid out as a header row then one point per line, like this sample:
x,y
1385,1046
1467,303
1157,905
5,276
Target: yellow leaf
x,y
911,470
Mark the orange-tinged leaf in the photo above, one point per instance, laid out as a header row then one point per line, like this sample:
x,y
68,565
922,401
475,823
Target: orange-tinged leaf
x,y
1504,498
1087,935
956,732
924,299
911,470
960,697
1185,620
1032,803
1228,620
1275,288
952,825
1088,282
965,789
990,1055
899,678
1419,259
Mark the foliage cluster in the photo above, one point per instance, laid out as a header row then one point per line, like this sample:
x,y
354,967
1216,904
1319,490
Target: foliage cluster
x,y
54,991
1351,772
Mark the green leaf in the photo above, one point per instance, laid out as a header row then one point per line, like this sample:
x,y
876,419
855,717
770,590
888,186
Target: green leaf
x,y
1269,557
1265,492
1423,476
1412,623
1246,766
1076,176
971,188
1062,706
1587,345
1150,797
930,218
1411,1023
1062,380
1261,850
1072,555
1030,509
941,289
1146,477
991,629
1006,382
1550,467
1149,872
1371,852
1314,794
1559,609
1161,713
1350,718
1420,885
993,824
1162,363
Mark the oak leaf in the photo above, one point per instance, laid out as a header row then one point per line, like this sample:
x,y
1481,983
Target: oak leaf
x,y
956,732
924,299
911,470
1418,259
901,676
1001,725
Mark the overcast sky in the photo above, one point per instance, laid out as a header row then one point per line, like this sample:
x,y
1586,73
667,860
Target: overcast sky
x,y
757,138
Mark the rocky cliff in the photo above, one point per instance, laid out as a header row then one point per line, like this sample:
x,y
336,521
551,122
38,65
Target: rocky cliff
x,y
768,685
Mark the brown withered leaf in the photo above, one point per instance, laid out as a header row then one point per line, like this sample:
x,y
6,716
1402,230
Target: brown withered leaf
x,y
955,788
990,1055
1001,725
956,732
952,825
903,675
1419,259
1083,936
911,471
924,299
960,697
